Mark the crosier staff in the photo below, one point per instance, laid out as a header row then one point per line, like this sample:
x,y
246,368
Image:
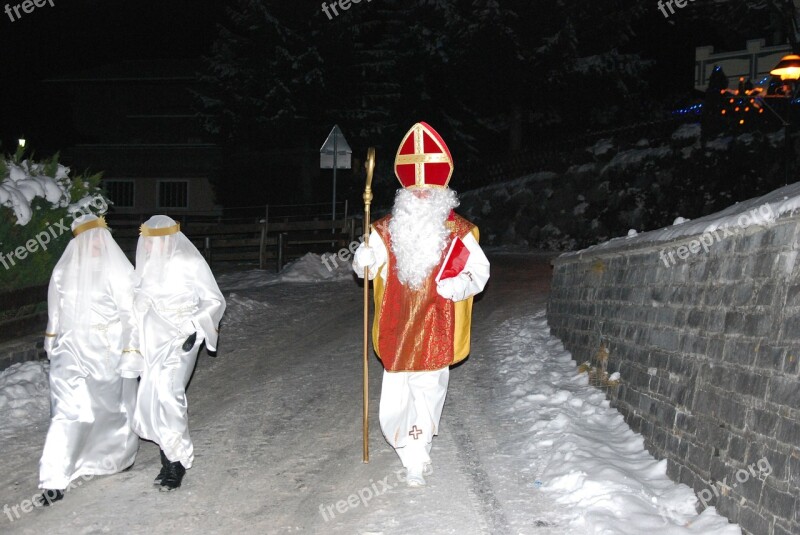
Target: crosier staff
x,y
370,165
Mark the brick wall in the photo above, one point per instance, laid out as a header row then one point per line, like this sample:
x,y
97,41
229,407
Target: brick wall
x,y
707,349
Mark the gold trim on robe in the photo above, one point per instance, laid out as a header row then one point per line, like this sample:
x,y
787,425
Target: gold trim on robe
x,y
419,330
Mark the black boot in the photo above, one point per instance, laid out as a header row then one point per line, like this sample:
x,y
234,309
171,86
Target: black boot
x,y
48,497
173,476
164,463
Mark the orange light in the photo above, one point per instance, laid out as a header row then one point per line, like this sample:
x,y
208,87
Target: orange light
x,y
741,121
788,68
731,101
747,108
736,108
761,110
723,112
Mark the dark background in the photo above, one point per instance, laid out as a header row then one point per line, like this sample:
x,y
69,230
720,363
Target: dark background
x,y
78,35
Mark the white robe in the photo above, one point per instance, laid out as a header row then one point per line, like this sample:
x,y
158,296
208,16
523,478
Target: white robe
x,y
91,404
170,305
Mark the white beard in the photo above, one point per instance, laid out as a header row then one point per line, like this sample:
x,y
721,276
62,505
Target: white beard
x,y
419,233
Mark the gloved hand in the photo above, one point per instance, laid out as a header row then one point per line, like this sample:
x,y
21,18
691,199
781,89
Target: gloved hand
x,y
364,257
455,288
189,343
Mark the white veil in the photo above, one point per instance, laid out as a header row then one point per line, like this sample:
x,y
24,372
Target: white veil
x,y
86,269
159,243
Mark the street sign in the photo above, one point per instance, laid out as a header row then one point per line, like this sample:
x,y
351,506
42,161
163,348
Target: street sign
x,y
335,153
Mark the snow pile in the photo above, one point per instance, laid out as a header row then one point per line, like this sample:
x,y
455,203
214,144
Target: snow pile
x,y
309,268
24,396
601,147
27,181
720,143
586,456
637,156
688,131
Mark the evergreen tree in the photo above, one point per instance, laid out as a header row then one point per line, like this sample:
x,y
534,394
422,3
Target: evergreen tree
x,y
264,81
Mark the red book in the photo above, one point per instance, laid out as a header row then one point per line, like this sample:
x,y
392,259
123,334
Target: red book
x,y
455,260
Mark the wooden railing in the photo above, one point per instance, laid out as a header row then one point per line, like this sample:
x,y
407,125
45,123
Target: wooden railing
x,y
263,244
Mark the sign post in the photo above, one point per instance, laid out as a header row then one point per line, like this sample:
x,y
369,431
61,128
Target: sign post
x,y
335,154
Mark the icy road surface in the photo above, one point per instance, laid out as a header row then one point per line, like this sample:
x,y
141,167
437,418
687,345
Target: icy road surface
x,y
525,445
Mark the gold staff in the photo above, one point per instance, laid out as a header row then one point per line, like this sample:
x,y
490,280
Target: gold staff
x,y
370,165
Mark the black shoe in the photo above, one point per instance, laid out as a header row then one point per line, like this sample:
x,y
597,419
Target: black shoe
x,y
164,463
173,476
48,497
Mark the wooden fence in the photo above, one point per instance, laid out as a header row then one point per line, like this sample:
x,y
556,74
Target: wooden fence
x,y
263,244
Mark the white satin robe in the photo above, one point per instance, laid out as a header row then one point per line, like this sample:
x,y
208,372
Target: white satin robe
x,y
91,403
165,305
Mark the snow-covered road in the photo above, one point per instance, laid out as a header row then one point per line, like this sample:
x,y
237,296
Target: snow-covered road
x,y
276,421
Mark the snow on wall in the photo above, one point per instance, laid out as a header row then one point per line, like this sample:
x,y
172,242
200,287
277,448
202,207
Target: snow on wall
x,y
701,322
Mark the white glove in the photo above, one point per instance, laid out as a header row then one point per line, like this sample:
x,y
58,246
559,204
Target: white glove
x,y
454,288
364,257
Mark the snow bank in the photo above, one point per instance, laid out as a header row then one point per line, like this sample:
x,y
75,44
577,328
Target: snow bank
x,y
24,396
309,268
587,457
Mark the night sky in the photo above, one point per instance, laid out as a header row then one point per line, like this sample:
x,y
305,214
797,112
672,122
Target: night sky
x,y
75,35
80,34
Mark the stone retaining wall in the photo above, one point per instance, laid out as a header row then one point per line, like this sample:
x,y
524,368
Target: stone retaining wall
x,y
707,344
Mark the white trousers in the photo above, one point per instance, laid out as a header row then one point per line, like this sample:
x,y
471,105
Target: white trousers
x,y
410,408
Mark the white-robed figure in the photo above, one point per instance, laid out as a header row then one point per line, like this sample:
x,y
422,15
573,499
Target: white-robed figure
x,y
426,265
91,341
178,306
